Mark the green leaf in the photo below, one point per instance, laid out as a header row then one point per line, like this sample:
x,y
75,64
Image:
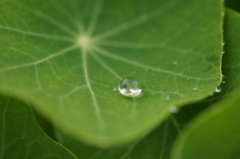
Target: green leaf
x,y
66,57
215,133
21,137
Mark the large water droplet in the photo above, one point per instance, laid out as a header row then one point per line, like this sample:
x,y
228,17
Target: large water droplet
x,y
218,89
130,87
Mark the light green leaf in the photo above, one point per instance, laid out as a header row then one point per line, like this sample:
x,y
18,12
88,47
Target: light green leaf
x,y
21,137
215,133
66,57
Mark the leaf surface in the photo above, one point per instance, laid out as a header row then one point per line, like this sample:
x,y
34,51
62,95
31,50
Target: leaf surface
x,y
21,137
66,57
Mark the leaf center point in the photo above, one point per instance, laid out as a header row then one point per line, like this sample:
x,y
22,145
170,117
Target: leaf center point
x,y
84,41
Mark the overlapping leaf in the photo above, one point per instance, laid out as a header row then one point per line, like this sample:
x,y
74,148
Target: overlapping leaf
x,y
20,136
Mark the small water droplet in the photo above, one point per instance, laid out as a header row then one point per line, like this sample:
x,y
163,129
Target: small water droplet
x,y
224,79
218,89
166,97
173,109
223,43
223,52
175,62
114,89
195,87
130,87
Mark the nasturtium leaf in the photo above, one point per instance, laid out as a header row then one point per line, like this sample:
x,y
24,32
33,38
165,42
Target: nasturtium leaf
x,y
67,56
21,137
215,133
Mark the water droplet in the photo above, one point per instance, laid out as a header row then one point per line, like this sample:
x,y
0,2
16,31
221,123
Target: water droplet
x,y
175,62
195,87
223,52
218,89
173,109
224,79
130,87
223,43
166,97
114,89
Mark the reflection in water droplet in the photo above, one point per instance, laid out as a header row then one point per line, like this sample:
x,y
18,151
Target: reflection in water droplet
x,y
223,43
195,87
224,79
166,97
173,109
218,89
223,52
130,87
